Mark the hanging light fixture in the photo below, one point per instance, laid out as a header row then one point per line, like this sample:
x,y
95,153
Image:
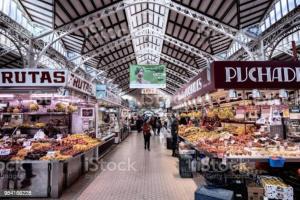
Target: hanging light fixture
x,y
232,94
256,94
207,97
283,94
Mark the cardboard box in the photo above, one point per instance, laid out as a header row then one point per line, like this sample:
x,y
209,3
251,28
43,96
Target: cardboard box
x,y
255,192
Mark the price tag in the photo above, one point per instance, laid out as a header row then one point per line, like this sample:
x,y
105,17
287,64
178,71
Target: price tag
x,y
18,132
5,152
26,143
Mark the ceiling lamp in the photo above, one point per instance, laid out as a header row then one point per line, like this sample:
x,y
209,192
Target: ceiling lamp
x,y
232,94
256,94
283,94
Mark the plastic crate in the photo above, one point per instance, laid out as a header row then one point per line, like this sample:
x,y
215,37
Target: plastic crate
x,y
277,162
185,163
212,193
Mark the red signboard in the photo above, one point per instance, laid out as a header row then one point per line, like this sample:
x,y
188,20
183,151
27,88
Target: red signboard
x,y
256,74
199,85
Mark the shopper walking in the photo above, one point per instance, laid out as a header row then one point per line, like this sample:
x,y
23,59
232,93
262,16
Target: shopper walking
x,y
147,134
139,124
153,124
174,132
158,125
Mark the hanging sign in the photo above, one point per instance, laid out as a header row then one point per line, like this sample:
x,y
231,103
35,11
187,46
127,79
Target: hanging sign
x,y
198,86
32,78
256,74
77,83
149,91
100,91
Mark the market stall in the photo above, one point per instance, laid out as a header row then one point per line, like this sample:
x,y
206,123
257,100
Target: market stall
x,y
248,114
47,118
112,115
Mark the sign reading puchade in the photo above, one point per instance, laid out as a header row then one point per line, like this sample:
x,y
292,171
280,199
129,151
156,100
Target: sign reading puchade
x,y
32,77
256,74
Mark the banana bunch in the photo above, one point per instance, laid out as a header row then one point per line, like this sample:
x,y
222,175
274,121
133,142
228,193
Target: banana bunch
x,y
60,107
81,147
33,107
225,113
40,125
72,108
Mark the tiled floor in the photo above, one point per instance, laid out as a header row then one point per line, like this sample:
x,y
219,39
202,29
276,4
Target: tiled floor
x,y
153,175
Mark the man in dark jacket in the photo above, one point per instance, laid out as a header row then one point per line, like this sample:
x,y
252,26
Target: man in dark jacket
x,y
174,132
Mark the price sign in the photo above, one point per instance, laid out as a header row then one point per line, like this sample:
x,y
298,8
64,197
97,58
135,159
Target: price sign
x,y
5,152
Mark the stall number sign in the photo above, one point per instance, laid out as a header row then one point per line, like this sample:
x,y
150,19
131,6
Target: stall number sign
x,y
5,152
32,77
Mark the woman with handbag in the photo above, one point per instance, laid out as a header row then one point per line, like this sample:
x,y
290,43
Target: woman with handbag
x,y
147,134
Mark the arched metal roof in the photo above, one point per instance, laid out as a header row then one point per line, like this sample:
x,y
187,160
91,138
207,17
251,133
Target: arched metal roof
x,y
112,34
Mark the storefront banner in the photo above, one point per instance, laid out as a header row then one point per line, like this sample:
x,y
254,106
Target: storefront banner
x,y
77,83
36,78
33,78
147,76
256,74
198,86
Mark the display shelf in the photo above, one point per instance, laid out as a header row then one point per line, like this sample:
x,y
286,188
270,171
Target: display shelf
x,y
237,158
108,137
237,122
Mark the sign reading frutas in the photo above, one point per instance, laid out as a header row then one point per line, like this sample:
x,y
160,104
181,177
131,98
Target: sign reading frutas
x,y
77,83
32,77
147,76
256,74
36,78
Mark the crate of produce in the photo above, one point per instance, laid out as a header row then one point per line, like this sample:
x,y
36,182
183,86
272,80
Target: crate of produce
x,y
185,166
255,191
212,193
275,188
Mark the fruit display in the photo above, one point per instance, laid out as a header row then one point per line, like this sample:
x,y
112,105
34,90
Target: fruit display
x,y
60,107
57,156
33,107
222,142
72,108
225,113
211,113
193,114
40,125
38,150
